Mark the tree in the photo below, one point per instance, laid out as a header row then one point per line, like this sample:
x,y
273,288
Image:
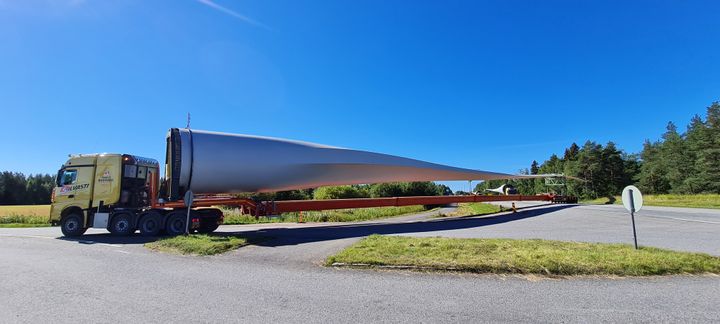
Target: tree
x,y
445,190
571,152
404,189
386,190
588,166
424,188
677,161
524,186
708,150
695,143
652,171
340,192
14,187
38,189
613,170
534,167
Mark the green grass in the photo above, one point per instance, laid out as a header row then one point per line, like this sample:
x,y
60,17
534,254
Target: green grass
x,y
693,201
524,257
233,216
197,244
22,225
474,209
24,216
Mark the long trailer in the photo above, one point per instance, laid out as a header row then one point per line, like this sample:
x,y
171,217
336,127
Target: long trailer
x,y
123,193
268,208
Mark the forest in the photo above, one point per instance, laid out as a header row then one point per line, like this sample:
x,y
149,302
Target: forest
x,y
678,163
19,189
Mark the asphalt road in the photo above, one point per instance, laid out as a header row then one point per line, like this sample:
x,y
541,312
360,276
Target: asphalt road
x,y
106,279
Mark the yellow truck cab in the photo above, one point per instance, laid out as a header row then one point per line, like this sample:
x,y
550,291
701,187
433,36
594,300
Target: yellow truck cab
x,y
101,190
113,191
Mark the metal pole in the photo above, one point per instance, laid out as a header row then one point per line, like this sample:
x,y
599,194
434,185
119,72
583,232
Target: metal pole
x,y
188,200
187,222
632,216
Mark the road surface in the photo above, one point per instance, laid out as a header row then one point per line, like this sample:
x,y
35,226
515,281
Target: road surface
x,y
105,279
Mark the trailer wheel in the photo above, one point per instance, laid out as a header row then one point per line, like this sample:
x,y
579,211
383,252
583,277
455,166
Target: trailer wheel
x,y
175,224
121,224
150,224
71,225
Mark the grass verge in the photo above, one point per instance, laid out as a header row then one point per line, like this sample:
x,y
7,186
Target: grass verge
x,y
523,257
233,216
197,244
473,209
692,201
24,216
23,225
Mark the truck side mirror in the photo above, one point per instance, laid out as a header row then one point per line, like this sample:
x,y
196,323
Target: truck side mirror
x,y
58,178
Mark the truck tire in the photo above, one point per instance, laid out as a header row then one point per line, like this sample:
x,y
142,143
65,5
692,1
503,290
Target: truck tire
x,y
175,223
121,224
150,223
71,225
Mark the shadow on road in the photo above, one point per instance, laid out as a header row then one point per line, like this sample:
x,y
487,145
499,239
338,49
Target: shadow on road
x,y
293,236
107,238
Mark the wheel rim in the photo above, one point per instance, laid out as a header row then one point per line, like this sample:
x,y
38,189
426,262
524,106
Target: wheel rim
x,y
122,225
71,225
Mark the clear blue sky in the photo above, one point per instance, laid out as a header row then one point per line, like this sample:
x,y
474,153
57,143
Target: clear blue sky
x,y
488,85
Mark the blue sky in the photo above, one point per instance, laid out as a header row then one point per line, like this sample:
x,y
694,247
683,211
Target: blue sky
x,y
488,85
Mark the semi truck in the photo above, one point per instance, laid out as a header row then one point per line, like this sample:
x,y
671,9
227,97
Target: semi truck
x,y
114,191
123,193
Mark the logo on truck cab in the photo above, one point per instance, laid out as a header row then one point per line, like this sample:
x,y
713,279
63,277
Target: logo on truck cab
x,y
106,177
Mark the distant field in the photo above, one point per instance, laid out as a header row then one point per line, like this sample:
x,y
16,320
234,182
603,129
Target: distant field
x,y
233,216
24,215
693,201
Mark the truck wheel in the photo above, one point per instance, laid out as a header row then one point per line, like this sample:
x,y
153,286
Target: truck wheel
x,y
150,224
71,225
175,224
121,224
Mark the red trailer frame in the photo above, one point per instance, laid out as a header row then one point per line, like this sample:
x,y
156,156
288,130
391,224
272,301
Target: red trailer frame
x,y
266,208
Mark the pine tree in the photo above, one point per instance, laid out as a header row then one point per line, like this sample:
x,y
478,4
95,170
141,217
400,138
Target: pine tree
x,y
534,168
676,160
695,143
614,170
652,173
14,189
708,156
571,153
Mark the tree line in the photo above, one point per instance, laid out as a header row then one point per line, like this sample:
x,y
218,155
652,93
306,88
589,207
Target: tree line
x,y
679,162
19,189
376,190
